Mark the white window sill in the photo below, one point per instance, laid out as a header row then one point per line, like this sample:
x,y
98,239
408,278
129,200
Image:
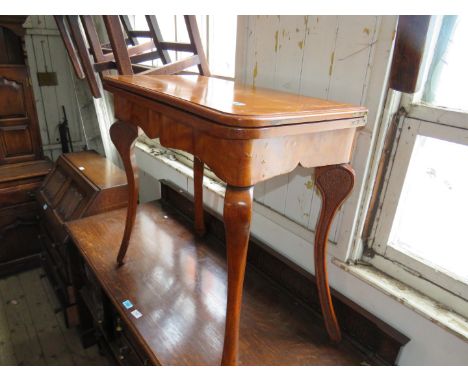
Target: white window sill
x,y
411,298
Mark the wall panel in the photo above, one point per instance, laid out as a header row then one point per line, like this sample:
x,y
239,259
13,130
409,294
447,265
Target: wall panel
x,y
320,56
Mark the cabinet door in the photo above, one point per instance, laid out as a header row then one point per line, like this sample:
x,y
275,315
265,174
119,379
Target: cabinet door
x,y
19,137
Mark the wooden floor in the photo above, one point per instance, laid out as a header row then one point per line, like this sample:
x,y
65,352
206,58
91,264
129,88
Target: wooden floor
x,y
32,331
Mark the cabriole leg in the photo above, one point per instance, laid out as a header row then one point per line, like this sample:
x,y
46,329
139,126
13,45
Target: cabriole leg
x,y
237,217
335,183
123,136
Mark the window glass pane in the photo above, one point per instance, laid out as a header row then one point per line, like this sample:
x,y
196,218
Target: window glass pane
x,y
432,216
448,75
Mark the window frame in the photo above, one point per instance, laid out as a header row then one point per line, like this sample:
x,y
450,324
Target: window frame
x,y
418,118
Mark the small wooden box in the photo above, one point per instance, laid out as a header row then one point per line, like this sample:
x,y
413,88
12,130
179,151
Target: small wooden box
x,y
80,184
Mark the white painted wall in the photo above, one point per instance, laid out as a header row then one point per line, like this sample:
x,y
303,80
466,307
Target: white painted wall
x,y
329,57
46,53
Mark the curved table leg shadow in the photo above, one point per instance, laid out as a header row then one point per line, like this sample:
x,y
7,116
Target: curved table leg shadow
x,y
335,183
123,136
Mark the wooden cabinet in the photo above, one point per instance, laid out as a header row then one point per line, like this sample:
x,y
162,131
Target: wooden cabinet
x,y
22,167
19,213
80,184
19,130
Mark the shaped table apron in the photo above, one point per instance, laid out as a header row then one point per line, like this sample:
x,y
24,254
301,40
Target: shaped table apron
x,y
241,157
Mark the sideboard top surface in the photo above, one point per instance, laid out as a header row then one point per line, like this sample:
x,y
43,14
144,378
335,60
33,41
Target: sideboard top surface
x,y
99,170
178,284
232,104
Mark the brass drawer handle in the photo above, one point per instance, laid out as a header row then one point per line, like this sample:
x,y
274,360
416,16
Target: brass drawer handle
x,y
118,326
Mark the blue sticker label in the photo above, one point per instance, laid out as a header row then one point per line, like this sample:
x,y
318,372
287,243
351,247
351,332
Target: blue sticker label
x,y
127,304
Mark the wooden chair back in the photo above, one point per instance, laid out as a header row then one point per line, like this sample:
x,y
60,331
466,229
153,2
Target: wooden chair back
x,y
124,53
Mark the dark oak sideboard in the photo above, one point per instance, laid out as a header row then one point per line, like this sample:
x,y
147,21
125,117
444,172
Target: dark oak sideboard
x,y
178,282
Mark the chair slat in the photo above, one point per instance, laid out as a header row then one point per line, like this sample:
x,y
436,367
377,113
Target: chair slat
x,y
157,38
119,47
195,40
128,27
87,66
174,67
69,46
125,53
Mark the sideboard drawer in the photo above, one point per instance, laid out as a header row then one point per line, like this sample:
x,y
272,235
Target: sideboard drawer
x,y
19,193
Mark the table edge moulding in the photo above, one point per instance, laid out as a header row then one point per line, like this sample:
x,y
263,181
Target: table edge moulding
x,y
245,135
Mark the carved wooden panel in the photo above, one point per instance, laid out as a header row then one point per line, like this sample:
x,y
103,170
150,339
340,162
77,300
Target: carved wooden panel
x,y
72,203
53,184
19,136
16,141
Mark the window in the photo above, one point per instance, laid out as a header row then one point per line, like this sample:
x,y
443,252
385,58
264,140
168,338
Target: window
x,y
420,231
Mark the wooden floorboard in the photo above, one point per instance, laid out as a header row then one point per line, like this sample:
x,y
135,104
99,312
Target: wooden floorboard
x,y
7,353
45,323
23,335
32,331
80,356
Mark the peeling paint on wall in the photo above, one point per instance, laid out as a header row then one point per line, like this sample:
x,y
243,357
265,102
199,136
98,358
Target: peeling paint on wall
x,y
304,55
255,73
332,59
310,184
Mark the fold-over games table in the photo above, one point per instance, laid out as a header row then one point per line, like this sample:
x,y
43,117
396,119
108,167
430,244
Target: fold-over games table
x,y
245,135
